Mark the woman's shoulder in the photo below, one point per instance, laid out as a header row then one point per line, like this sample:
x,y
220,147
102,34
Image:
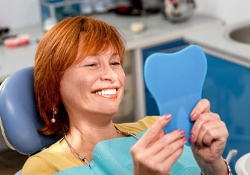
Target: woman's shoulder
x,y
49,161
139,126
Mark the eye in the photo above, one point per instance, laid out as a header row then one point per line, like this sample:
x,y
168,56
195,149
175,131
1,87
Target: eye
x,y
90,65
115,63
90,61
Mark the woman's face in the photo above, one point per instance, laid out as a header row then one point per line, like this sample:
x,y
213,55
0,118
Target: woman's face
x,y
94,86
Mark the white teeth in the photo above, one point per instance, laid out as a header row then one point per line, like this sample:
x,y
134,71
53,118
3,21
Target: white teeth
x,y
107,92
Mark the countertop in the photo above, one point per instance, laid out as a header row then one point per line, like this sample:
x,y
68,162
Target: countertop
x,y
158,30
216,41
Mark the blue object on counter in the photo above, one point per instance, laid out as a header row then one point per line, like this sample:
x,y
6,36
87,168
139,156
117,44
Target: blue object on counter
x,y
175,80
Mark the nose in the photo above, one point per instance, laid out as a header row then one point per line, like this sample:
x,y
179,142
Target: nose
x,y
109,74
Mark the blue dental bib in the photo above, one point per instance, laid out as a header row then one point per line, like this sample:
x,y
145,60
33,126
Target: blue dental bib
x,y
112,157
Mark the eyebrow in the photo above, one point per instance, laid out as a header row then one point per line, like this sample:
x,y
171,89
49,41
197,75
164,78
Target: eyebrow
x,y
99,54
115,54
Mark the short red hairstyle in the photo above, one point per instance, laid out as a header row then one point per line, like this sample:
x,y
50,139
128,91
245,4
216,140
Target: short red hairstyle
x,y
57,51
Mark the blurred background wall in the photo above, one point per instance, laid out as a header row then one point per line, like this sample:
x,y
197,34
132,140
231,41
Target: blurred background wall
x,y
15,13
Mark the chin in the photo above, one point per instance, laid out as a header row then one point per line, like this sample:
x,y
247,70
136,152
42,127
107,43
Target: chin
x,y
107,113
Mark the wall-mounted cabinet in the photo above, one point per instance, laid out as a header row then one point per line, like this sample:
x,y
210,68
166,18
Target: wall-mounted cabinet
x,y
227,86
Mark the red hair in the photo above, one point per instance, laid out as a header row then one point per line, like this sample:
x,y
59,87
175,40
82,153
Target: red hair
x,y
71,38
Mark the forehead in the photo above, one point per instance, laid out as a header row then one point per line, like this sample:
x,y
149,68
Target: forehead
x,y
91,44
107,51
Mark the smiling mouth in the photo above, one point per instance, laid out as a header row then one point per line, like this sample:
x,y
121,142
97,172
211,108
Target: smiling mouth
x,y
106,92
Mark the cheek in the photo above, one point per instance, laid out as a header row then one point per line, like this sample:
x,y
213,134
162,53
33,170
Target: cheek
x,y
122,77
68,85
65,89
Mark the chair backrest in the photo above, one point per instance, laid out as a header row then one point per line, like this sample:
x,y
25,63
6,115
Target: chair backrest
x,y
175,81
19,116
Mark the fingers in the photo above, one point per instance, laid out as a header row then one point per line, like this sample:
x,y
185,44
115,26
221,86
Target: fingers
x,y
165,158
209,142
168,146
161,156
202,125
156,152
208,134
202,112
207,129
154,131
201,107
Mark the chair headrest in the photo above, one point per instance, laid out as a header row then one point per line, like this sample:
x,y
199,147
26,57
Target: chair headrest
x,y
19,116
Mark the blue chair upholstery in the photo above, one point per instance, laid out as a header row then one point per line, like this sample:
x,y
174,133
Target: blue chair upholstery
x,y
175,80
19,115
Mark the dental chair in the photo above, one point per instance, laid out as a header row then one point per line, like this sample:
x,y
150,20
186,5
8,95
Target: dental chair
x,y
19,116
175,80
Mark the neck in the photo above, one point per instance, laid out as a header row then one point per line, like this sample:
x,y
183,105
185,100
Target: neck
x,y
83,136
92,132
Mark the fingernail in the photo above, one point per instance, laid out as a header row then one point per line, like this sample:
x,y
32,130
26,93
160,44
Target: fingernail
x,y
182,132
167,116
184,139
193,116
192,138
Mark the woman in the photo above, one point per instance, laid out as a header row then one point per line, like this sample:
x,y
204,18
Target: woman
x,y
79,84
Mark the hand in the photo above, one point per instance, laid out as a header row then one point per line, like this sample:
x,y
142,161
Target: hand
x,y
156,152
208,136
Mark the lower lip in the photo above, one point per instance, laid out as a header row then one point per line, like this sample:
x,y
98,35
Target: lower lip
x,y
108,96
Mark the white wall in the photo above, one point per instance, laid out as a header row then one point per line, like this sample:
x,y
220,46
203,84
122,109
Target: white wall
x,y
230,11
17,13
